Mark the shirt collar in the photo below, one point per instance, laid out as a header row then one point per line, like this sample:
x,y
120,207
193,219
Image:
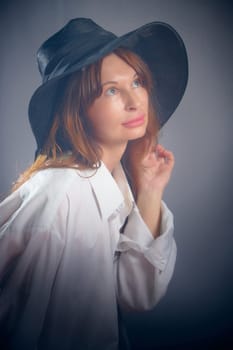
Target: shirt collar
x,y
111,190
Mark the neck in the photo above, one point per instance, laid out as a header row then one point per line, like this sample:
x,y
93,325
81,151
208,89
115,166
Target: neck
x,y
112,156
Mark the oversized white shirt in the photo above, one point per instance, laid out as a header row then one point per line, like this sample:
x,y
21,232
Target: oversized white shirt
x,y
66,265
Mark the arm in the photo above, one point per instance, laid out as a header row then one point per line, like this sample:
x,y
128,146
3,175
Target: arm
x,y
145,265
148,250
29,259
152,176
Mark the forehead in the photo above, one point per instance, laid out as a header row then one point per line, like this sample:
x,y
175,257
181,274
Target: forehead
x,y
114,66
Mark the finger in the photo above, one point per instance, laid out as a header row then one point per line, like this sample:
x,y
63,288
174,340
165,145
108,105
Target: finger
x,y
163,152
160,150
166,155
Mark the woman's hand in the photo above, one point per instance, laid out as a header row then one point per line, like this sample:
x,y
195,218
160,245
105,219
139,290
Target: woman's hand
x,y
152,172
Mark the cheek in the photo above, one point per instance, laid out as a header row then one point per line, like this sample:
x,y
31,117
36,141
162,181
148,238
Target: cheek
x,y
98,121
102,114
94,115
144,97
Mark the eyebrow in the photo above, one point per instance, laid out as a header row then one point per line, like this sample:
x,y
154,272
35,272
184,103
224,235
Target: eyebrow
x,y
109,82
115,82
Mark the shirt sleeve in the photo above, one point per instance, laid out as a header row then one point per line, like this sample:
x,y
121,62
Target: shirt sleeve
x,y
144,265
28,266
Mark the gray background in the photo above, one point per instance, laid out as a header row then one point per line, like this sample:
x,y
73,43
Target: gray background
x,y
197,310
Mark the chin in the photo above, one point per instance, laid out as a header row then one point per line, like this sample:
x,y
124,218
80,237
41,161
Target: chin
x,y
136,134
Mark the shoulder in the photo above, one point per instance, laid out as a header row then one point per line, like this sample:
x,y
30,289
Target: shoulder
x,y
53,183
35,205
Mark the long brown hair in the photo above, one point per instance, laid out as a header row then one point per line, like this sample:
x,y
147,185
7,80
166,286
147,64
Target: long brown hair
x,y
70,142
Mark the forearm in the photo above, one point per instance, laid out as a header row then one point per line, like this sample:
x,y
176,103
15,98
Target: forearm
x,y
145,265
149,205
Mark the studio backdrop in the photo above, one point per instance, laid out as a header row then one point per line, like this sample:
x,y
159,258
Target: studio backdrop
x,y
197,309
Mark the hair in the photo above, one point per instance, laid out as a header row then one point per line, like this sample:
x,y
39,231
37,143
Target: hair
x,y
70,142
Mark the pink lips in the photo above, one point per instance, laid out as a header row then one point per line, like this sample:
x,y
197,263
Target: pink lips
x,y
134,122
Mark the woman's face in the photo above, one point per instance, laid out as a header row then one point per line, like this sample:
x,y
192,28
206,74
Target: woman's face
x,y
120,114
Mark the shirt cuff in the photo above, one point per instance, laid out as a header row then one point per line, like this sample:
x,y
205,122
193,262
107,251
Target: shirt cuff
x,y
137,236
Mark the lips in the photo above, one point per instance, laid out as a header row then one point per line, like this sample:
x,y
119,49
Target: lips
x,y
134,122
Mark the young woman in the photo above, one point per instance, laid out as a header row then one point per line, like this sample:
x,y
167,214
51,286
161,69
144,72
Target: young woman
x,y
85,231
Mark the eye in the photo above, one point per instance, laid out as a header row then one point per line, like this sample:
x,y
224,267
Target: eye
x,y
111,91
137,83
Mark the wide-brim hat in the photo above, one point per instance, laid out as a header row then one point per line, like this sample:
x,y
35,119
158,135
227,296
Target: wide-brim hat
x,y
82,42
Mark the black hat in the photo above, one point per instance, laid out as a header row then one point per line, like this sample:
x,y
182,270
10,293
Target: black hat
x,y
82,42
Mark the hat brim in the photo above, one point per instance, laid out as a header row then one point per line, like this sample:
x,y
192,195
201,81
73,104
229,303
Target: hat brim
x,y
157,43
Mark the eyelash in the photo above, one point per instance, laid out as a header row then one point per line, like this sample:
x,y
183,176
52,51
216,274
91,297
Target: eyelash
x,y
138,81
108,91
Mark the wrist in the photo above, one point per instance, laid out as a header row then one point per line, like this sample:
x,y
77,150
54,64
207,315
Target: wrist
x,y
148,195
149,205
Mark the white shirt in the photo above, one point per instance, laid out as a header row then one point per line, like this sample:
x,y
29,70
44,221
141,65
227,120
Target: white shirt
x,y
65,266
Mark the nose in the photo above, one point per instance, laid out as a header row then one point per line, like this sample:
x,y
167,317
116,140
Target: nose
x,y
131,101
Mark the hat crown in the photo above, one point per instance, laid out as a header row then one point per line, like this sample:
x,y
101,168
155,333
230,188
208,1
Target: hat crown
x,y
80,36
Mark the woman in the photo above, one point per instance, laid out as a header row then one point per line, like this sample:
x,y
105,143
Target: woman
x,y
77,242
